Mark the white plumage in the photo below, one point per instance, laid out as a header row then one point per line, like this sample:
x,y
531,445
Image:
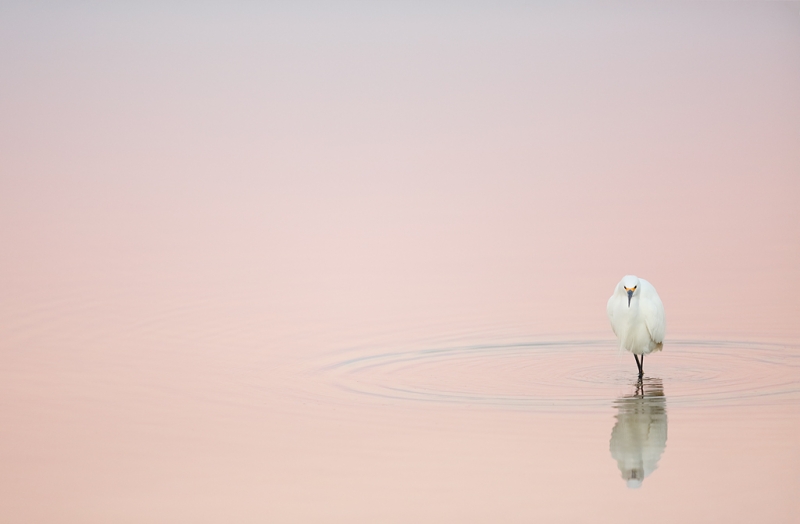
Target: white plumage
x,y
637,317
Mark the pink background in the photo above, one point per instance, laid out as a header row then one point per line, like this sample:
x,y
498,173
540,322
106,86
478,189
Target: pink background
x,y
199,204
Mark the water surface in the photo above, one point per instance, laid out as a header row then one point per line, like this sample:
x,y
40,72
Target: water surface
x,y
306,263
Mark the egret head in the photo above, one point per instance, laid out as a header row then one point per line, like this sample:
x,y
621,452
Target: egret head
x,y
630,286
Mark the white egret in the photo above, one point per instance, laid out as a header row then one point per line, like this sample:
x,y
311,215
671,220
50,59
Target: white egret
x,y
637,318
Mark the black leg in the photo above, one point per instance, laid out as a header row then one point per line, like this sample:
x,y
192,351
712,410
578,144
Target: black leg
x,y
641,371
638,364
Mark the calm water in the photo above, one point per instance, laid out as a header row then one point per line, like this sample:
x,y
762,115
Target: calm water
x,y
314,264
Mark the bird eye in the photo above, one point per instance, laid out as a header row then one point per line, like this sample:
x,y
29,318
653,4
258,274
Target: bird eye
x,y
634,287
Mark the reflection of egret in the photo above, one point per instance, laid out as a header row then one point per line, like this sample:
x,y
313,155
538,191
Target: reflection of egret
x,y
640,435
637,317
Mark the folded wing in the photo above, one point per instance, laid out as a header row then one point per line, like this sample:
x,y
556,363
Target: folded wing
x,y
652,310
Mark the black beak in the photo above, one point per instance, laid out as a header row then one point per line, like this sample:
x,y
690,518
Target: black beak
x,y
630,294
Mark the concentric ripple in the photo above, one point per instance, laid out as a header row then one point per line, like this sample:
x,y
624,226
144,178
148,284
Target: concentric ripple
x,y
577,374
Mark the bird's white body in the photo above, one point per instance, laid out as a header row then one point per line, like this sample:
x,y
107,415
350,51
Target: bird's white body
x,y
637,316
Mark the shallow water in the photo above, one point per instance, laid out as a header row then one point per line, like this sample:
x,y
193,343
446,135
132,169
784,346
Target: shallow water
x,y
579,375
350,264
